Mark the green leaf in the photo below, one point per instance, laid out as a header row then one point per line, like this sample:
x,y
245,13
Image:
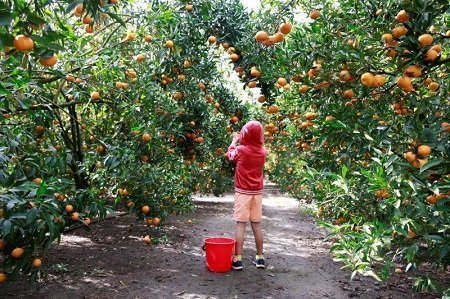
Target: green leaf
x,y
6,227
32,215
117,18
6,18
430,164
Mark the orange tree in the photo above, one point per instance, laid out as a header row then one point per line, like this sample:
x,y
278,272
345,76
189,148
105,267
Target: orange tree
x,y
105,106
363,125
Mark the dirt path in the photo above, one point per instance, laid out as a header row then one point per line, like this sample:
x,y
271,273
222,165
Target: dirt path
x,y
112,261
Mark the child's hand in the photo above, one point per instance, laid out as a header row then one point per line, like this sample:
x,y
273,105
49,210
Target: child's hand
x,y
236,136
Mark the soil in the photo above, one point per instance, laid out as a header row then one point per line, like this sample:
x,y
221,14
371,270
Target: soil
x,y
112,261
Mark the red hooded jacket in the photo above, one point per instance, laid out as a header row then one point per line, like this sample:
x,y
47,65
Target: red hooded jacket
x,y
250,156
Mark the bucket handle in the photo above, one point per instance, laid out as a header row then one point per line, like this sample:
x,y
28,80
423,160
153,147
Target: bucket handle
x,y
203,247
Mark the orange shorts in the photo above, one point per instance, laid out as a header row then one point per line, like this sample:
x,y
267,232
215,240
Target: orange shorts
x,y
247,207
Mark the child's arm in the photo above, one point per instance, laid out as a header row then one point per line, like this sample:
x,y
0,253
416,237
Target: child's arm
x,y
232,153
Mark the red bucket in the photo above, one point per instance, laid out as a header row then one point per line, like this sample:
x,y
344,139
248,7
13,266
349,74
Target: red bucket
x,y
219,253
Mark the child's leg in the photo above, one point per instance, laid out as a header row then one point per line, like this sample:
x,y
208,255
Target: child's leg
x,y
239,236
257,232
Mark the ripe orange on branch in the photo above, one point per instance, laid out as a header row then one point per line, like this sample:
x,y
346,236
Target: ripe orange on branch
x,y
314,14
261,36
146,137
49,62
95,96
423,150
17,253
23,43
367,79
402,16
425,40
145,209
285,28
37,262
212,39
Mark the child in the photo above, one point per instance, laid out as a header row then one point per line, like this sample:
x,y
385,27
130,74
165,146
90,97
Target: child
x,y
250,156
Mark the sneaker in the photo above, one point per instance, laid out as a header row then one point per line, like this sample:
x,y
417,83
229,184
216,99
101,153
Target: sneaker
x,y
259,263
237,265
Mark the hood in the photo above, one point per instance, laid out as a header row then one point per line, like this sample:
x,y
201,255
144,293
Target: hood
x,y
252,134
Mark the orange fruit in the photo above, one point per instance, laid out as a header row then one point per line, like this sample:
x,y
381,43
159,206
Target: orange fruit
x,y
212,39
414,71
261,36
131,36
423,150
234,57
278,37
251,84
378,12
431,55
50,61
285,28
254,72
282,81
187,63
387,38
404,83
402,16
70,78
156,221
345,76
140,57
146,137
378,81
87,20
329,118
445,127
399,31
145,209
23,43
17,252
169,44
272,109
95,95
314,14
75,216
202,86
147,239
367,79
79,9
3,277
411,234
437,48
234,119
261,99
431,199
37,181
88,28
189,7
297,78
433,86
304,88
410,156
177,95
349,94
148,38
425,40
69,208
310,116
100,149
